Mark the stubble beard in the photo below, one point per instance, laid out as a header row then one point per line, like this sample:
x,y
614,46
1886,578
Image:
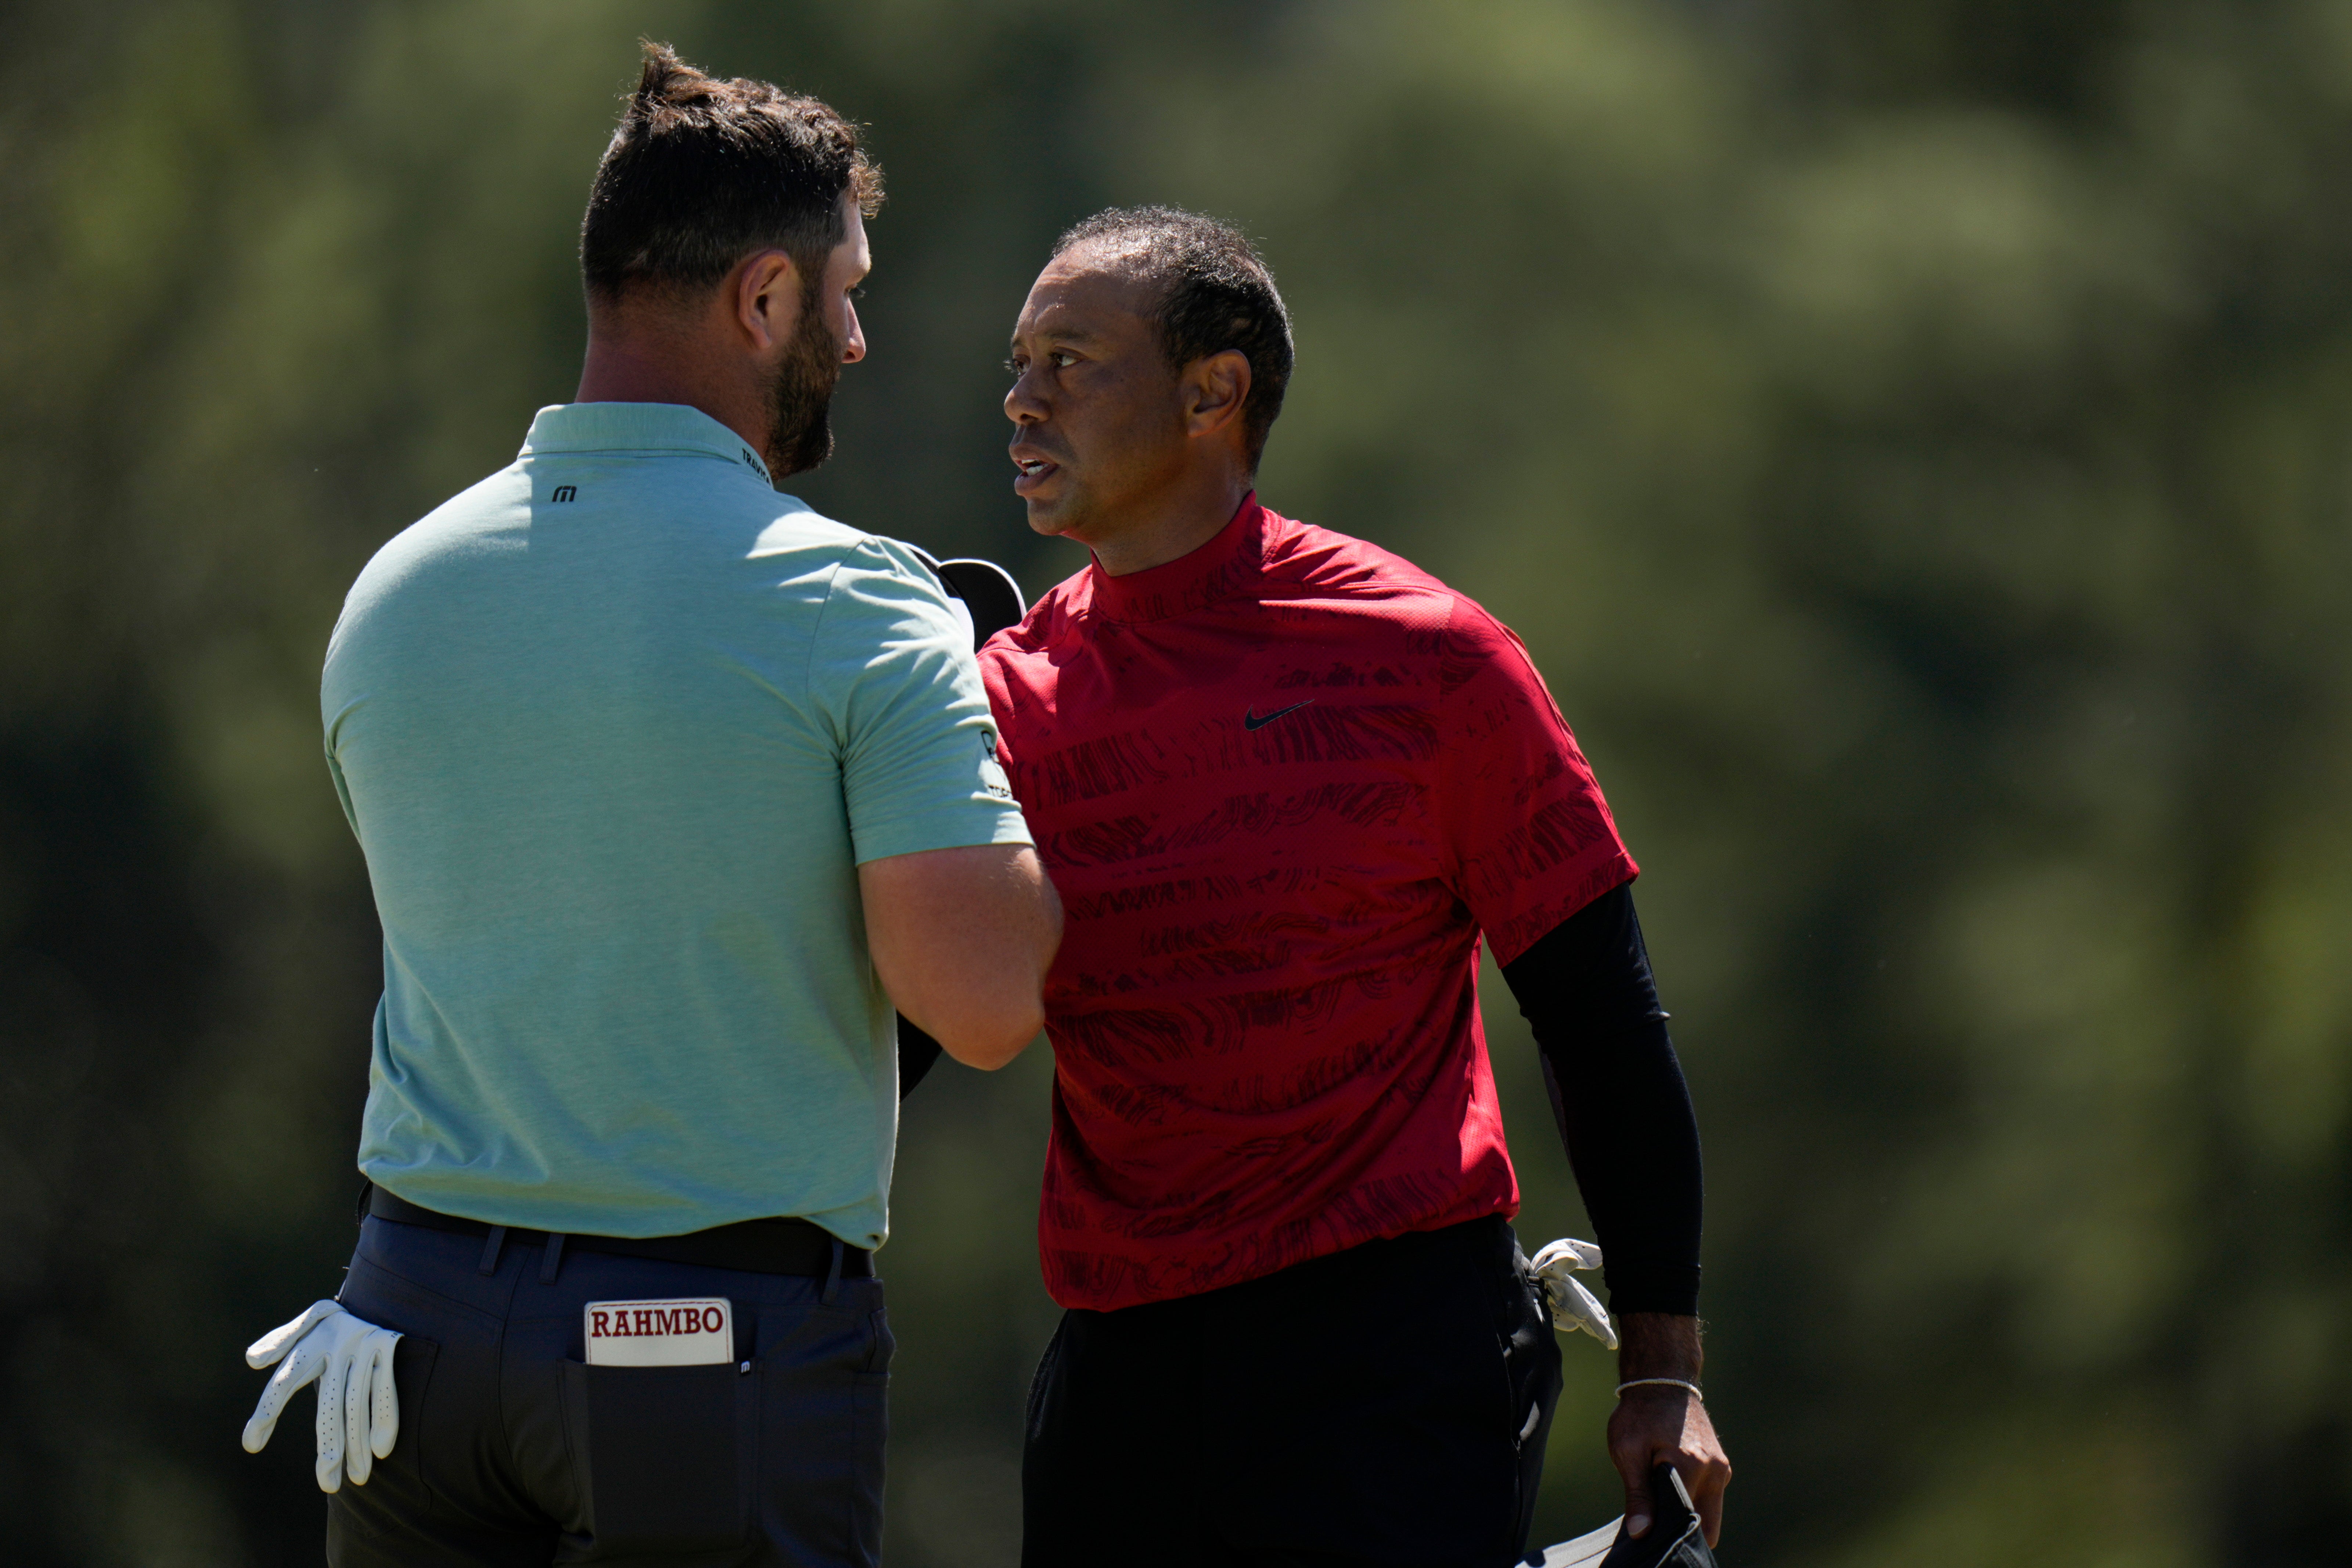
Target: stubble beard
x,y
800,398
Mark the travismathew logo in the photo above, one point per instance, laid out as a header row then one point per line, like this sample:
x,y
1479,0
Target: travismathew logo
x,y
1250,720
992,768
694,1332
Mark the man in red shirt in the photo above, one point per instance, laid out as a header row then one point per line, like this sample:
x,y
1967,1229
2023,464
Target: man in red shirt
x,y
1285,781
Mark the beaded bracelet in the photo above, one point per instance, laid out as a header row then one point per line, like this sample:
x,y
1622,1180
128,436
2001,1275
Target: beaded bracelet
x,y
1696,1392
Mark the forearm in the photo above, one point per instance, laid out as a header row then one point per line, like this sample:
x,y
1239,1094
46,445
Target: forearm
x,y
962,939
1623,1110
1625,1116
1625,1119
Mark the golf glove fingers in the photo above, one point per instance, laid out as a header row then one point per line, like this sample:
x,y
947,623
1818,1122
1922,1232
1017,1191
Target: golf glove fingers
x,y
350,1361
271,1347
1567,1253
1572,1306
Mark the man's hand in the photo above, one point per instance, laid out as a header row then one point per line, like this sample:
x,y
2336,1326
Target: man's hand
x,y
1659,1425
350,1360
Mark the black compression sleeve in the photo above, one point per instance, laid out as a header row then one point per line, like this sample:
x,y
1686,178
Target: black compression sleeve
x,y
1618,1095
918,1052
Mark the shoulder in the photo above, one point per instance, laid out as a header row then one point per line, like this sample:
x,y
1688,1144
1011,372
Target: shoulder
x,y
1324,563
485,517
1304,552
1435,619
1477,652
862,563
785,524
1383,594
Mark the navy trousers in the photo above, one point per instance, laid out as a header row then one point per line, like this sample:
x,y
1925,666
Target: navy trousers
x,y
1382,1407
512,1450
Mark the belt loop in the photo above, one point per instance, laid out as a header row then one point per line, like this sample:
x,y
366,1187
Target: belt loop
x,y
490,1250
360,1204
833,1275
552,1258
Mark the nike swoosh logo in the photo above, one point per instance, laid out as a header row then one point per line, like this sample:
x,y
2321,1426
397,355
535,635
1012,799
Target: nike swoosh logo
x,y
1250,720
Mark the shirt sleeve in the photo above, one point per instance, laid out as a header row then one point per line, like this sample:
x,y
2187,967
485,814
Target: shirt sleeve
x,y
1531,838
1619,1096
892,669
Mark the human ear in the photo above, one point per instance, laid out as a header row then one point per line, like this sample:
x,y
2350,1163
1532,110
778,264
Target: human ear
x,y
1215,387
767,298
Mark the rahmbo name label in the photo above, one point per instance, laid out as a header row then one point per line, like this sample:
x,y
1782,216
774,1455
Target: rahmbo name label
x,y
695,1332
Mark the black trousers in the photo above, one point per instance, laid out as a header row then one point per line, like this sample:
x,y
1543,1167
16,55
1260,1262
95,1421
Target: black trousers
x,y
513,1452
1383,1405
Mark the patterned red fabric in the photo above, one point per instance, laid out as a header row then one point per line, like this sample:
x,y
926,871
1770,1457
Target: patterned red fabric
x,y
1283,784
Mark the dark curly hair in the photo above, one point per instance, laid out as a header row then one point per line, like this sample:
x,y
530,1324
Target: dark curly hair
x,y
1216,294
701,172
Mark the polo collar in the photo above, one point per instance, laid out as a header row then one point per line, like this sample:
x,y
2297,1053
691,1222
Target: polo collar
x,y
638,427
1202,578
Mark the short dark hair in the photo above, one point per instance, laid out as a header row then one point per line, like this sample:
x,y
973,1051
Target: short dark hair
x,y
701,172
1216,294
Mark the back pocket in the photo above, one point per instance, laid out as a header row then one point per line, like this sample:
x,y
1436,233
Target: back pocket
x,y
398,1496
666,1455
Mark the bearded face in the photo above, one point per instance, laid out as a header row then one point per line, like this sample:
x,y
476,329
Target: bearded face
x,y
800,398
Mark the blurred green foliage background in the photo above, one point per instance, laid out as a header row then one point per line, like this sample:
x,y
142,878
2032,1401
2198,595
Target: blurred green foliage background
x,y
1910,434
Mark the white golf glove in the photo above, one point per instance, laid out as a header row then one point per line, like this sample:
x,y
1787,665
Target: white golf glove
x,y
1572,1306
350,1360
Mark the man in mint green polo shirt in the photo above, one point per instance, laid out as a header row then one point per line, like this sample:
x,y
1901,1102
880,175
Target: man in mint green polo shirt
x,y
670,791
620,950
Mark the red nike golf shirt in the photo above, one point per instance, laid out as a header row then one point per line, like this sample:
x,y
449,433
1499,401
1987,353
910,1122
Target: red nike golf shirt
x,y
1283,784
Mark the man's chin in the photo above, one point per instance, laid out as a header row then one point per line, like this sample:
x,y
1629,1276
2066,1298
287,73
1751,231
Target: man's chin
x,y
799,455
1044,520
1054,514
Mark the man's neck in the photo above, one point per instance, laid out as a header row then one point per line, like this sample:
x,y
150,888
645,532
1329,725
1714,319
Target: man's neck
x,y
640,367
1179,522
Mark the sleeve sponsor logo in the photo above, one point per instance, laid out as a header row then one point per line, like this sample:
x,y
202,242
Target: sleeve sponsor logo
x,y
992,771
696,1332
565,493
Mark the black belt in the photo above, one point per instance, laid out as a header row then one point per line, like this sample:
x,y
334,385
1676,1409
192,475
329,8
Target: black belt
x,y
753,1246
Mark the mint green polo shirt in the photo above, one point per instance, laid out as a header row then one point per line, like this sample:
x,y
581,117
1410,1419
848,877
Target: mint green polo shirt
x,y
615,727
